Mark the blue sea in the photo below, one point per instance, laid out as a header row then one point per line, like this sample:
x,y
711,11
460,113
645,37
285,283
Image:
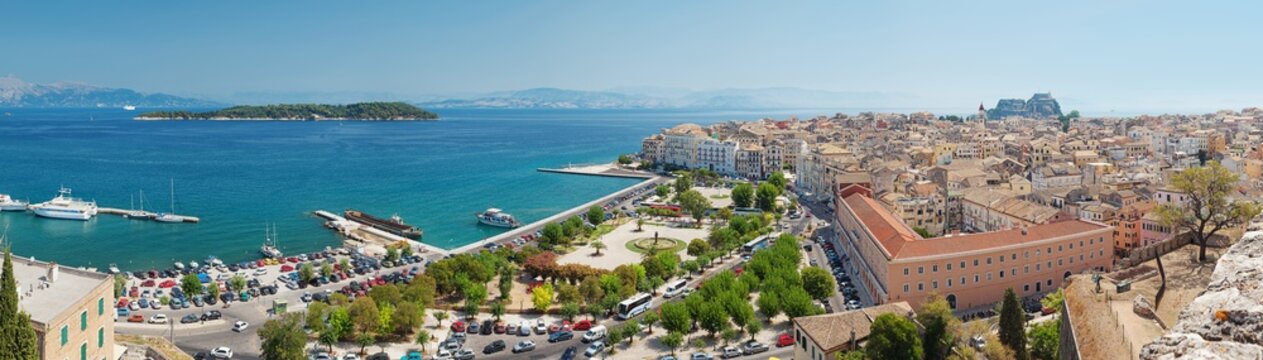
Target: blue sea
x,y
238,177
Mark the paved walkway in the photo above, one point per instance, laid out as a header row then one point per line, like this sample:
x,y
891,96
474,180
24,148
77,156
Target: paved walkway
x,y
616,252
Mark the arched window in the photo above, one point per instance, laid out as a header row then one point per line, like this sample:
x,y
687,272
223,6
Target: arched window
x,y
951,301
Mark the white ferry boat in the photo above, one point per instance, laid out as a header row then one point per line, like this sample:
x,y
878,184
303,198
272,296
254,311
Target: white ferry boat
x,y
129,107
10,204
65,207
496,217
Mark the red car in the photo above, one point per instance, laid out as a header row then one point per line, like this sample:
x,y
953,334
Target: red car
x,y
286,268
135,292
458,326
136,318
499,328
122,303
167,284
784,340
583,325
147,283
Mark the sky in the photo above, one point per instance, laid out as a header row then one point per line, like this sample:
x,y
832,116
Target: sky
x,y
1096,54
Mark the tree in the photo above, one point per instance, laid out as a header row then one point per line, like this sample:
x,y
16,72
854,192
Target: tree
x,y
662,191
340,325
386,294
542,297
569,310
19,340
650,318
497,309
237,283
766,197
624,159
698,247
818,283
439,316
940,325
553,234
894,337
795,303
591,290
506,282
364,340
640,223
673,340
385,320
753,328
1054,300
695,204
922,231
315,316
407,317
568,293
743,195
191,285
683,183
1013,325
423,337
326,270
421,290
283,338
1045,338
596,215
598,245
120,285
676,317
1208,209
777,179
306,273
769,304
712,318
212,290
730,335
364,316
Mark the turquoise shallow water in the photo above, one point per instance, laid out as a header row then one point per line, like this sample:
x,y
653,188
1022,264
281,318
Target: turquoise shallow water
x,y
239,176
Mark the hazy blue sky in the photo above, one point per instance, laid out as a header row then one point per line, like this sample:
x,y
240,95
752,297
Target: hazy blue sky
x,y
1103,54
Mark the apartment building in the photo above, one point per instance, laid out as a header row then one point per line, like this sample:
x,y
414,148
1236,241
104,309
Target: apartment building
x,y
72,310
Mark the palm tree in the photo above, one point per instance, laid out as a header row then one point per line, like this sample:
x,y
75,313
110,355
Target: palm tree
x,y
440,315
423,337
598,245
639,223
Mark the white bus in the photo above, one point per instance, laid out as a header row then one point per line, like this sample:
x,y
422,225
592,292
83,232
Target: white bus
x,y
675,288
635,305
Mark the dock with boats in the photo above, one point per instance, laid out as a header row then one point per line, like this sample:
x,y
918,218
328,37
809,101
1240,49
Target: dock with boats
x,y
369,235
130,213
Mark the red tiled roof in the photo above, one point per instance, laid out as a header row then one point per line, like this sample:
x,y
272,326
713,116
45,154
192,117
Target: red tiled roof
x,y
890,232
899,241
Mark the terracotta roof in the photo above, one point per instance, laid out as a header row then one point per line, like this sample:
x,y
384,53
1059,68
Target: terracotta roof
x,y
900,242
890,232
831,332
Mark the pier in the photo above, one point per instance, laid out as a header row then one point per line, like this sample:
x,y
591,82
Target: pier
x,y
607,170
532,227
120,212
370,235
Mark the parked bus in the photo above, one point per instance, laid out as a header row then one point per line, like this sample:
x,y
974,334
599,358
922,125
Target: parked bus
x,y
675,288
635,305
756,244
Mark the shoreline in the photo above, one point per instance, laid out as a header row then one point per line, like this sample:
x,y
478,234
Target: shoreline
x,y
562,215
146,118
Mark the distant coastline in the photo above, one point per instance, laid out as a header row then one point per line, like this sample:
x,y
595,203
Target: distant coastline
x,y
369,111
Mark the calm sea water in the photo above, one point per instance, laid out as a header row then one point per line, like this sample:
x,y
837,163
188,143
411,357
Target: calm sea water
x,y
240,176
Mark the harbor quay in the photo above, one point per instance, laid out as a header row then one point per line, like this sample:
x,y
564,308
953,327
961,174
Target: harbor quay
x,y
537,225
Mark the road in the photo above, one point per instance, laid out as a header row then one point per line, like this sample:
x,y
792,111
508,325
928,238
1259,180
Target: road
x,y
821,215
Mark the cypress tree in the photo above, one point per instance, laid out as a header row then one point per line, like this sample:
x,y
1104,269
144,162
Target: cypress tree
x,y
1013,325
17,338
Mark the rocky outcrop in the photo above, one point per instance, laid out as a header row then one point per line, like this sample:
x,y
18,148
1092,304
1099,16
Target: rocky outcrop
x,y
1225,322
1041,105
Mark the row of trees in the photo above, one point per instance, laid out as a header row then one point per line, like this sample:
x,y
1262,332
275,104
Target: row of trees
x,y
894,336
744,195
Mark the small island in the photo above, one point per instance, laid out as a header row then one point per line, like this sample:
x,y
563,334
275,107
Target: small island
x,y
368,111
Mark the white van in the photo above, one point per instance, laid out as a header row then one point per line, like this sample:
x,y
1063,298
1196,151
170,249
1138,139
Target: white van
x,y
675,288
595,333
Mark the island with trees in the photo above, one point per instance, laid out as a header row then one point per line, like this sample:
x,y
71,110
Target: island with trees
x,y
367,111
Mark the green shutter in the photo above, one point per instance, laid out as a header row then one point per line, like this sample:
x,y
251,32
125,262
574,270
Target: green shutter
x,y
65,335
83,351
100,337
83,320
100,306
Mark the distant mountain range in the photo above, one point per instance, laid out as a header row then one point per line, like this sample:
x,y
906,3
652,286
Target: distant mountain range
x,y
650,98
17,93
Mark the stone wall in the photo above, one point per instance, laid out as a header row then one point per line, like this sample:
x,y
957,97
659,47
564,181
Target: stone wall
x,y
1225,322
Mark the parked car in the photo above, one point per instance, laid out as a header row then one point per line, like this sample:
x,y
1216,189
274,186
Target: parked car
x,y
222,352
136,318
595,348
540,327
458,326
240,326
784,340
569,354
473,327
494,347
730,352
189,319
560,336
753,347
523,346
499,328
486,327
524,329
158,319
463,354
701,356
